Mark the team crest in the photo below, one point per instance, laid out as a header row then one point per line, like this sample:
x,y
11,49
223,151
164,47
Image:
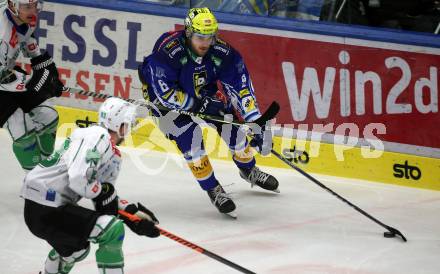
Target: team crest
x,y
199,79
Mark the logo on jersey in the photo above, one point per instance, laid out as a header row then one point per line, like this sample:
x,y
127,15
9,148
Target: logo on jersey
x,y
179,97
222,49
50,195
175,51
217,61
171,45
240,67
221,42
198,59
244,92
93,157
199,79
183,60
248,104
13,41
172,48
222,46
160,72
95,188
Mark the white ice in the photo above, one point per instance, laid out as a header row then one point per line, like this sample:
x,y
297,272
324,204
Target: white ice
x,y
302,230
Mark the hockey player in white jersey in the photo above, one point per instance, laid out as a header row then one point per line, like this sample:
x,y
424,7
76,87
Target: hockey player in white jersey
x,y
85,166
30,120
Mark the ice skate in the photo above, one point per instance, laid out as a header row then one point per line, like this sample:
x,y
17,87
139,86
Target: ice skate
x,y
257,177
222,201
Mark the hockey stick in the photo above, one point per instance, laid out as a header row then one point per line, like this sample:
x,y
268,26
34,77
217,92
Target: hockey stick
x,y
391,233
269,114
186,243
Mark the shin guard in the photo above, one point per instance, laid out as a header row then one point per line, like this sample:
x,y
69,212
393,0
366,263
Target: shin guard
x,y
46,139
55,264
27,151
109,234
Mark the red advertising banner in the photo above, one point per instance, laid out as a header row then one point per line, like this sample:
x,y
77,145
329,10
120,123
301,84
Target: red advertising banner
x,y
321,83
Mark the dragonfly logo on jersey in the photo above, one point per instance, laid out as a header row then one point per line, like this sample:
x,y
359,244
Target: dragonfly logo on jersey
x,y
407,171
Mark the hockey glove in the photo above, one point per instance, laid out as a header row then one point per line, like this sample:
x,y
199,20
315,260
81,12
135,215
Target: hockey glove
x,y
44,61
142,227
210,106
45,76
44,83
142,212
106,202
259,143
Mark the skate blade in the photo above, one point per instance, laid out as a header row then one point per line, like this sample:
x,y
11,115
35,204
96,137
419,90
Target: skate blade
x,y
232,214
277,190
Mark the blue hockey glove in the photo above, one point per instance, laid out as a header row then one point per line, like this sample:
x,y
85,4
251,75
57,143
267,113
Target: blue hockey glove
x,y
262,141
258,140
210,106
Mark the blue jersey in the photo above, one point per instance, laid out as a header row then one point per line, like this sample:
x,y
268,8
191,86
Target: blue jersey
x,y
177,79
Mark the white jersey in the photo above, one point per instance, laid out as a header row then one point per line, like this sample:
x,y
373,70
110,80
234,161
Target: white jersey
x,y
75,170
14,39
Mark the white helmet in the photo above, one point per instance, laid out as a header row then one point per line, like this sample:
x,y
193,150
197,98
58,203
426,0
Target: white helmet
x,y
114,112
16,4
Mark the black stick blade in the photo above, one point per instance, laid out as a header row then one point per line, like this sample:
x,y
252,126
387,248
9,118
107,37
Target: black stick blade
x,y
392,232
269,114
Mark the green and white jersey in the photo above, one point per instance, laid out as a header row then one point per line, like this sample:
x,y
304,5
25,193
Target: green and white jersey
x,y
14,40
75,170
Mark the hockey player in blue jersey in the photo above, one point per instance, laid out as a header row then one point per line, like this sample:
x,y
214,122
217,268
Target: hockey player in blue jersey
x,y
182,73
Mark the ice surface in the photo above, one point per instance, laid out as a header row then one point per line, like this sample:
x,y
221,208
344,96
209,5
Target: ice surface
x,y
302,230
